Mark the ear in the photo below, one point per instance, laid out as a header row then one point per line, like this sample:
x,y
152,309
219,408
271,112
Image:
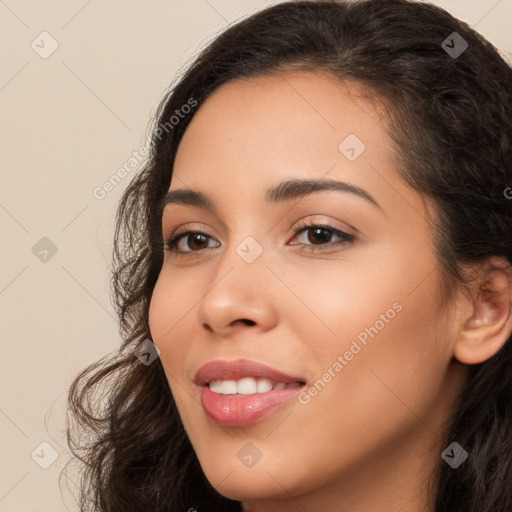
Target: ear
x,y
487,320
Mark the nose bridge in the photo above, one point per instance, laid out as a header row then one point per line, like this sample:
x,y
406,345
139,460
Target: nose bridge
x,y
239,289
243,266
246,238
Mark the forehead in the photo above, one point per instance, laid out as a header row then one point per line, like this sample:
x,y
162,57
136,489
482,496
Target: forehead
x,y
292,115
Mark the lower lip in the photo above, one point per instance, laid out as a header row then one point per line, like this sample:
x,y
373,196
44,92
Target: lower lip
x,y
242,410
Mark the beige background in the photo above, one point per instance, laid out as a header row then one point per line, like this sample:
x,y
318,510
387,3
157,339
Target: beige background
x,y
67,123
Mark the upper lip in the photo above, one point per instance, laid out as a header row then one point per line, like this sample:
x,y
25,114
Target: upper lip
x,y
235,370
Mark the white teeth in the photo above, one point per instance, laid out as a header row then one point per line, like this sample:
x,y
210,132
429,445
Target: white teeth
x,y
216,386
248,386
263,386
229,387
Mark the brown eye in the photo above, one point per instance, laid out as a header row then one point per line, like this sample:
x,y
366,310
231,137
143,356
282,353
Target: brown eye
x,y
319,237
195,239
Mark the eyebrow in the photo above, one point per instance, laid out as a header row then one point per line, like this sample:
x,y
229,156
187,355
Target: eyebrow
x,y
284,191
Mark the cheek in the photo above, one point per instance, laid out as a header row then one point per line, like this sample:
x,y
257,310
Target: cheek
x,y
398,360
171,302
167,317
345,294
158,320
168,312
159,304
384,320
393,379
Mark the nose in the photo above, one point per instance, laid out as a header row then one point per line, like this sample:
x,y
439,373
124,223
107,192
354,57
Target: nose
x,y
241,295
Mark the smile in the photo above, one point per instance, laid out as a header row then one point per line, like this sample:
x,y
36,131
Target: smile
x,y
240,393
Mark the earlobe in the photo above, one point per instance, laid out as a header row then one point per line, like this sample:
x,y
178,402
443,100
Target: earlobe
x,y
489,322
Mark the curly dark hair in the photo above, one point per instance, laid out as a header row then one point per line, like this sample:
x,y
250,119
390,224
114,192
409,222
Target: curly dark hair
x,y
451,119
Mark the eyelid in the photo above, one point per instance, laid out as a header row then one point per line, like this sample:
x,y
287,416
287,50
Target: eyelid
x,y
307,221
187,226
311,221
305,224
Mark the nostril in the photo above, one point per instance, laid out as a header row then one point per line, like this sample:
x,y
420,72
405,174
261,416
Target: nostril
x,y
246,321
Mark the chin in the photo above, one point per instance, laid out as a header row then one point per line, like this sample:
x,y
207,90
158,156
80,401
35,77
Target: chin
x,y
239,483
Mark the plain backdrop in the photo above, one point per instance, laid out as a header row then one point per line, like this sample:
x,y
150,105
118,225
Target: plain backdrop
x,y
68,120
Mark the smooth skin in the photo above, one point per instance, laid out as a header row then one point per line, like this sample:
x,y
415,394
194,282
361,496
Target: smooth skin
x,y
371,437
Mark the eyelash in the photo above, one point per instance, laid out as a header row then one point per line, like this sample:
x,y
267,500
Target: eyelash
x,y
170,244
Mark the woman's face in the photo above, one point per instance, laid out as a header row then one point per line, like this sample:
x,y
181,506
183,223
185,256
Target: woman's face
x,y
348,309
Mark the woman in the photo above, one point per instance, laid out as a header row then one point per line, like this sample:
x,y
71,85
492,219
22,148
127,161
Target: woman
x,y
268,366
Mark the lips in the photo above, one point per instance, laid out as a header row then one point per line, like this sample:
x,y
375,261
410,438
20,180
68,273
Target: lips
x,y
239,410
236,370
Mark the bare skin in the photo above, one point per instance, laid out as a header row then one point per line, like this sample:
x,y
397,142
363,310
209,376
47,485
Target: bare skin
x,y
370,438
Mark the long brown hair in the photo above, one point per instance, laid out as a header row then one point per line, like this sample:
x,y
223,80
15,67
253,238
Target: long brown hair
x,y
451,119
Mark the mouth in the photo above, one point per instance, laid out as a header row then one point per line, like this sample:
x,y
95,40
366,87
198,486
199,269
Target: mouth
x,y
242,392
240,370
249,386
